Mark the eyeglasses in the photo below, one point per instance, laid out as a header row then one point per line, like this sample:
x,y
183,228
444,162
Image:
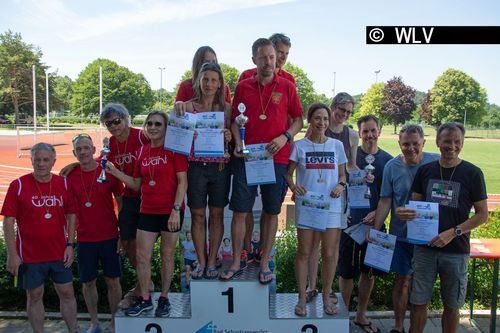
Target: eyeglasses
x,y
155,123
115,122
81,136
344,110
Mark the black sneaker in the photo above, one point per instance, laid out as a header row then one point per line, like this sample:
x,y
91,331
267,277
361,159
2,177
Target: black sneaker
x,y
139,307
163,308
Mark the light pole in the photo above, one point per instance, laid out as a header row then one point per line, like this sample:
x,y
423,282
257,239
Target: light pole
x,y
376,75
334,80
161,83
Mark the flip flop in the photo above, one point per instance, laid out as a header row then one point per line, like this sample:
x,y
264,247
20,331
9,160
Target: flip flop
x,y
264,275
211,273
365,326
198,272
330,309
311,294
396,331
232,271
334,298
300,310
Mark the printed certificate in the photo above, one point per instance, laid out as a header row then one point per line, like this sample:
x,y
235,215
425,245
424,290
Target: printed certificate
x,y
259,165
210,139
380,250
180,132
426,225
312,211
357,189
357,232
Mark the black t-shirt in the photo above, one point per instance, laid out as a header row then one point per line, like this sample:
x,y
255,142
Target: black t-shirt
x,y
381,158
455,191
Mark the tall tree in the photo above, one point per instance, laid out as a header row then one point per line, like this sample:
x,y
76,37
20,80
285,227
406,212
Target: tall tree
x,y
425,109
61,91
304,85
231,75
371,102
456,96
492,118
119,85
398,103
16,61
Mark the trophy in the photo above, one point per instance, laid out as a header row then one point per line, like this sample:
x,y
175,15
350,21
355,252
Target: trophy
x,y
241,120
369,169
104,152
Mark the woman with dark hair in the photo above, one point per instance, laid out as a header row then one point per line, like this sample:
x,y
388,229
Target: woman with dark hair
x,y
161,176
208,177
321,167
186,90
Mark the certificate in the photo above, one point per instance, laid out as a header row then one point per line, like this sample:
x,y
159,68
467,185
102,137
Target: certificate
x,y
426,225
210,139
357,189
357,232
180,132
259,165
380,250
312,210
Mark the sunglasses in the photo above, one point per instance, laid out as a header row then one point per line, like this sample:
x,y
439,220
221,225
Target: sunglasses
x,y
344,110
81,136
115,122
155,123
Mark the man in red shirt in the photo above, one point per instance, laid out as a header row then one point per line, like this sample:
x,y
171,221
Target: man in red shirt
x,y
42,206
97,228
270,100
282,45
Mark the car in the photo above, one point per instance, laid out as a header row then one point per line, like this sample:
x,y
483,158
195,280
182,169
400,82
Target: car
x,y
4,120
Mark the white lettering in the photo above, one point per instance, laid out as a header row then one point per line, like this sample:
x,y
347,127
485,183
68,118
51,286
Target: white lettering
x,y
428,38
404,33
154,161
47,201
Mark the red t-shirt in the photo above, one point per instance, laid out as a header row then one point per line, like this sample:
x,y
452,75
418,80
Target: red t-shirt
x,y
97,222
39,239
282,101
123,154
161,166
186,92
246,74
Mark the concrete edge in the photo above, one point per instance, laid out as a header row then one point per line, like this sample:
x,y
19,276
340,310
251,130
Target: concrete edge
x,y
369,314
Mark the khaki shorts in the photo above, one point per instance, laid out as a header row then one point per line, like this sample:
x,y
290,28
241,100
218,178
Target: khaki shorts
x,y
452,270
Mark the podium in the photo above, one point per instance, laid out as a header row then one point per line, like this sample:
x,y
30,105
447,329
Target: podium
x,y
241,305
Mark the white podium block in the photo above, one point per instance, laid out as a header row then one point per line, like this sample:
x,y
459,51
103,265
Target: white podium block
x,y
241,305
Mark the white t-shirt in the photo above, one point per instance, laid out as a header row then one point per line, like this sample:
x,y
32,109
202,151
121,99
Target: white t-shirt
x,y
318,160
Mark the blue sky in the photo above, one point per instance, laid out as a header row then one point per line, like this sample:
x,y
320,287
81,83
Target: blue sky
x,y
327,37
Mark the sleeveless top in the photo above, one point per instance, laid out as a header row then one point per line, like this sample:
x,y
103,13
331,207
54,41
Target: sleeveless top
x,y
342,137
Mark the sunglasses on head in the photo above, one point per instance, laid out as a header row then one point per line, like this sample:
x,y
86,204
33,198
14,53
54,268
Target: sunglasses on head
x,y
155,123
80,136
115,122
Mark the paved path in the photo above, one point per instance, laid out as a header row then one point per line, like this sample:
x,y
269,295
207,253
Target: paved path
x,y
379,319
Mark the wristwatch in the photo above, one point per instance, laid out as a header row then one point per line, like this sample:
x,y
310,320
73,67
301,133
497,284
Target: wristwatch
x,y
342,184
458,231
177,207
288,136
70,244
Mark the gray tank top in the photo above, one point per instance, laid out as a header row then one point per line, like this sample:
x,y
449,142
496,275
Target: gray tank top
x,y
342,137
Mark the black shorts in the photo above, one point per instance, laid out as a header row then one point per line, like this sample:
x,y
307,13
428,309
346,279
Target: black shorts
x,y
208,179
351,258
128,217
157,222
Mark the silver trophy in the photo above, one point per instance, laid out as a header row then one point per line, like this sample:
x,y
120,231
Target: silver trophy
x,y
104,161
241,120
369,169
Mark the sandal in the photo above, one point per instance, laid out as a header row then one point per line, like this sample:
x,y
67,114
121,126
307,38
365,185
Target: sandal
x,y
229,274
300,310
366,326
211,273
263,277
310,294
330,309
198,272
334,297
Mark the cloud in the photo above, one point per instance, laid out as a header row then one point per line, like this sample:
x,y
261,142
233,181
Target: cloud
x,y
73,26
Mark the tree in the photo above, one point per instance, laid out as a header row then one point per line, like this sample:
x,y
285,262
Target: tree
x,y
16,61
119,84
61,91
371,102
425,109
456,96
398,103
231,75
492,118
305,87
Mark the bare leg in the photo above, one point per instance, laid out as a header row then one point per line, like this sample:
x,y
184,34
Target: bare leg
x,y
346,286
216,225
35,309
313,262
114,295
365,287
400,295
167,248
199,234
304,250
449,320
145,242
249,221
91,298
329,253
67,304
418,318
270,225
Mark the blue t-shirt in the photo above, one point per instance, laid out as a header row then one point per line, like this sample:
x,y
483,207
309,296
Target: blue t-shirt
x,y
396,184
381,158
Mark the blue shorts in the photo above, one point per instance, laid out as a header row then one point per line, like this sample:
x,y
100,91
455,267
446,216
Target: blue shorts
x,y
32,276
189,262
243,196
91,253
401,260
